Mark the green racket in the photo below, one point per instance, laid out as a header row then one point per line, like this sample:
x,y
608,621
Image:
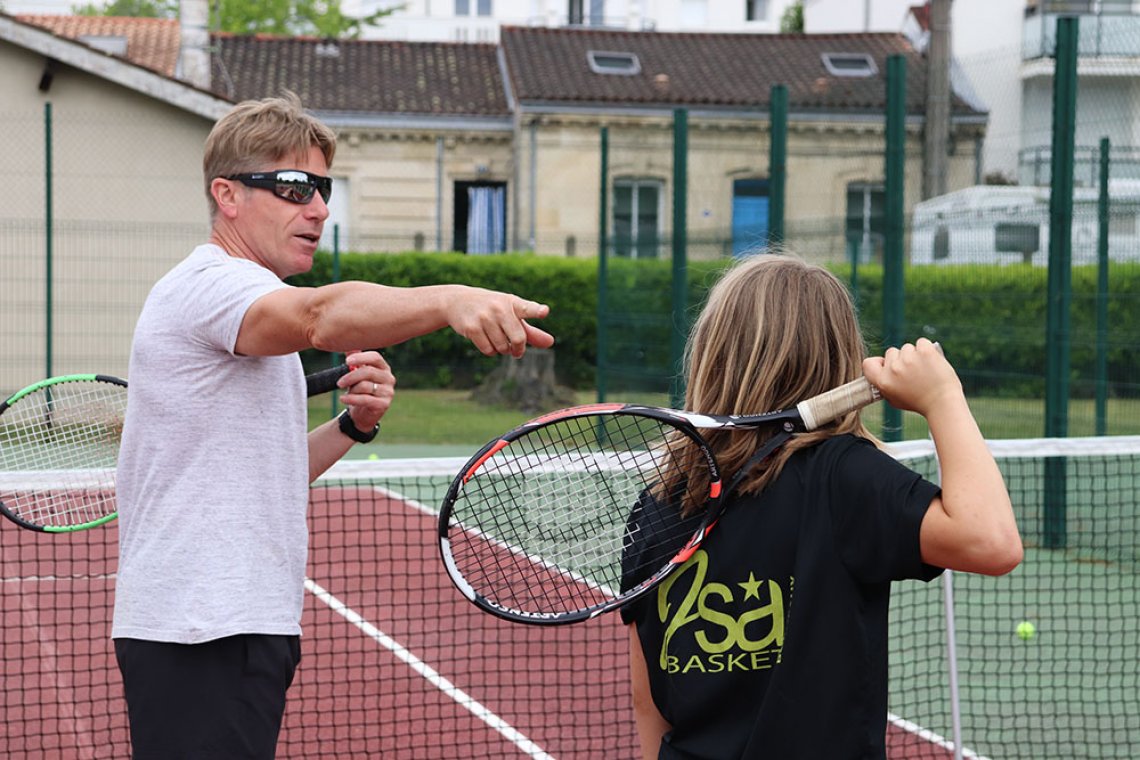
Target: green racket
x,y
59,447
59,444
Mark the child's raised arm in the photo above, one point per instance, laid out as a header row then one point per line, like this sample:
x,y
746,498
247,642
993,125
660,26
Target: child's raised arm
x,y
971,526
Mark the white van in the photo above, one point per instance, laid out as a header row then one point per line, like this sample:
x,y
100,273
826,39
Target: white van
x,y
1009,224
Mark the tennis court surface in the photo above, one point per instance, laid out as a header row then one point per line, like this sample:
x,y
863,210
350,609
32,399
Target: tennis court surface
x,y
396,664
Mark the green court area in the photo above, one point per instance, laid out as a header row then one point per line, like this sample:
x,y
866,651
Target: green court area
x,y
1070,690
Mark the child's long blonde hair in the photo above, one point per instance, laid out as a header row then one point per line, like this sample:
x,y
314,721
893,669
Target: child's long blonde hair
x,y
775,331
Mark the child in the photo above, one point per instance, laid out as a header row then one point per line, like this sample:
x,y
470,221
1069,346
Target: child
x,y
771,641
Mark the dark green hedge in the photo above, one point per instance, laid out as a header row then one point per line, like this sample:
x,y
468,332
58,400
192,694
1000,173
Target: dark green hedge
x,y
990,319
443,358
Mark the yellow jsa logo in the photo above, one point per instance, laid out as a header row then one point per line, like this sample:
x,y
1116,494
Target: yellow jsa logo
x,y
700,602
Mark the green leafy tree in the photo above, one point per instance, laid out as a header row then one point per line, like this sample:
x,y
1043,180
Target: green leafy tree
x,y
136,8
318,18
315,18
792,22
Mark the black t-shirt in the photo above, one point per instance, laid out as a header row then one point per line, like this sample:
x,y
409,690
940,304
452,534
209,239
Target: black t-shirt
x,y
771,641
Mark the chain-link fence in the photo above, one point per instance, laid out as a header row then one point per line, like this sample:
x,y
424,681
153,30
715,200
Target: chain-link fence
x,y
108,203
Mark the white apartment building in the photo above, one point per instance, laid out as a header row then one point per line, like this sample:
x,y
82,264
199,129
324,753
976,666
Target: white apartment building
x,y
1004,50
480,20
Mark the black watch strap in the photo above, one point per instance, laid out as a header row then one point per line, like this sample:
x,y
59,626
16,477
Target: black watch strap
x,y
349,428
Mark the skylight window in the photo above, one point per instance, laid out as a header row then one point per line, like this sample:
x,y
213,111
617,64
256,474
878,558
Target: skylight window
x,y
849,64
621,64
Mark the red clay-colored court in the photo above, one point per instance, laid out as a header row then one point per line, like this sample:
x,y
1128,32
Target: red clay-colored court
x,y
396,664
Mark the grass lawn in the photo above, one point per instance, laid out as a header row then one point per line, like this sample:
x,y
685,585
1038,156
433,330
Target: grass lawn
x,y
448,423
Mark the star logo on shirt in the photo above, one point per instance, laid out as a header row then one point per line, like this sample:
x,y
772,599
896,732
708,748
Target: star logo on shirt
x,y
751,587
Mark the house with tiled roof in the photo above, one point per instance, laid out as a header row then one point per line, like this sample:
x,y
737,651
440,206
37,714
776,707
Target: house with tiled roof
x,y
442,146
431,131
566,84
426,129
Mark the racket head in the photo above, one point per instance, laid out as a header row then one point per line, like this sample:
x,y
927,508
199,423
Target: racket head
x,y
546,524
59,447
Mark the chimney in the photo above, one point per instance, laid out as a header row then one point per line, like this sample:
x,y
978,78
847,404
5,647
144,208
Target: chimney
x,y
194,52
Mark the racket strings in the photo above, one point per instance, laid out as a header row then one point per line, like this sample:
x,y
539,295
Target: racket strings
x,y
59,447
544,524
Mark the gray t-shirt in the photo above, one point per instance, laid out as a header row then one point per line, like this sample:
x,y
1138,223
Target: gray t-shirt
x,y
213,471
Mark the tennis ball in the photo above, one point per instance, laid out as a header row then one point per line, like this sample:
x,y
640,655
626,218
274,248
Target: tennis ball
x,y
1026,630
373,456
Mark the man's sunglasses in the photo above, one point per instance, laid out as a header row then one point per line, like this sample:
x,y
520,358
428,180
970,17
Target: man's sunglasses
x,y
292,185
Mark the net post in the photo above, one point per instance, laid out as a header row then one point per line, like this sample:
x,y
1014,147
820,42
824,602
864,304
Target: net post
x,y
952,661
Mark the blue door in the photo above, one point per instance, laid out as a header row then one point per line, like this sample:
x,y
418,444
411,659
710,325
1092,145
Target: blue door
x,y
749,216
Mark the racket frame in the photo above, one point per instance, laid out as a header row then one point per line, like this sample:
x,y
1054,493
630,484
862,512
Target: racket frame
x,y
806,416
316,384
15,398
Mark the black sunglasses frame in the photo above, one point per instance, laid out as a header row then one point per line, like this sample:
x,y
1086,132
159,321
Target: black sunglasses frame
x,y
298,188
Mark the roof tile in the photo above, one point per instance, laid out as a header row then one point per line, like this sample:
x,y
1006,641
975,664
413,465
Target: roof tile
x,y
724,70
546,66
151,42
431,78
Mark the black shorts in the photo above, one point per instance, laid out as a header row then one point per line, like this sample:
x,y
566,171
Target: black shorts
x,y
220,699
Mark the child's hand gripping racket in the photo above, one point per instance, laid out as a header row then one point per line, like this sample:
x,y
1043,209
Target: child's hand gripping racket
x,y
535,527
59,447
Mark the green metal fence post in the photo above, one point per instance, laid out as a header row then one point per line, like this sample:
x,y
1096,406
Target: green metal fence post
x,y
336,358
777,164
603,246
894,190
1059,297
1101,372
679,319
49,254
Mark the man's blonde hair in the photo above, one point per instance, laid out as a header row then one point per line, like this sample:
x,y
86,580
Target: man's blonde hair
x,y
257,133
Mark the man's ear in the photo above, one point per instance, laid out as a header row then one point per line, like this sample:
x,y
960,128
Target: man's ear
x,y
226,194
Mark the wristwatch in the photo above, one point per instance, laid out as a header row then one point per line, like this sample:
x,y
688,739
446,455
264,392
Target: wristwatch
x,y
349,428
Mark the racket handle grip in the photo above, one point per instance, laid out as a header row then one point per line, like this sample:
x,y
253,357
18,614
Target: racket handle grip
x,y
822,409
325,380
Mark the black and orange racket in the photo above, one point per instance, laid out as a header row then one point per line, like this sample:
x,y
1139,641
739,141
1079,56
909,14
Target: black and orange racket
x,y
535,527
59,447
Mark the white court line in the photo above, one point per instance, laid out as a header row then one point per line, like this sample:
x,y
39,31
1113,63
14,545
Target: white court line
x,y
430,674
930,736
58,578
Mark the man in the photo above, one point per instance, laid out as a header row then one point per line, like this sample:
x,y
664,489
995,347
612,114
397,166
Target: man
x,y
216,461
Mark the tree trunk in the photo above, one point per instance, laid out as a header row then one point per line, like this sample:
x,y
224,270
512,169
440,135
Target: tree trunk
x,y
527,384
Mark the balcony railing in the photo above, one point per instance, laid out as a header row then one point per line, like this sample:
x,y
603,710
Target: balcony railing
x,y
1035,164
1099,35
589,20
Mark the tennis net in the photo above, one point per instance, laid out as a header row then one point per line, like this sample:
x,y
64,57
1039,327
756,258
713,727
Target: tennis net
x,y
396,664
961,676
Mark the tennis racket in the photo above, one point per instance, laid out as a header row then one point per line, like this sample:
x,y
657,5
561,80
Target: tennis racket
x,y
59,447
542,523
